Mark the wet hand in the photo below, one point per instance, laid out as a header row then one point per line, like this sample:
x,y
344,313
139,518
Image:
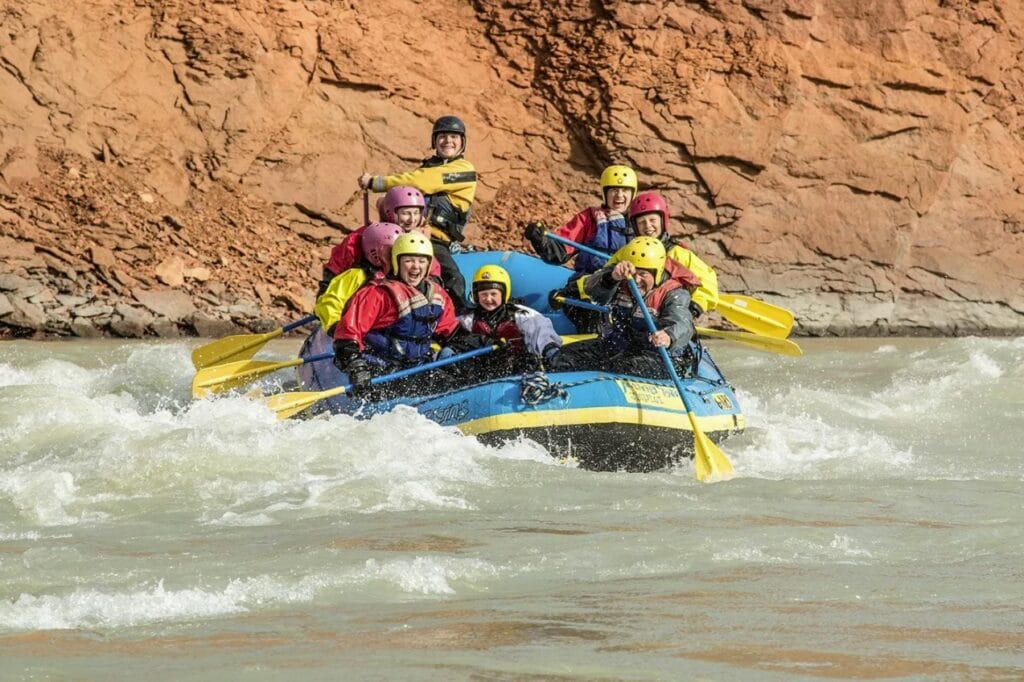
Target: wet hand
x,y
660,339
623,270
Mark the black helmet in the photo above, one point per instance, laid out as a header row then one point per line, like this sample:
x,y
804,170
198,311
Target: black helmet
x,y
448,124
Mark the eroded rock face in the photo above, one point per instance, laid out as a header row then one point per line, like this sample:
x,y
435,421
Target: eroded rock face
x,y
858,162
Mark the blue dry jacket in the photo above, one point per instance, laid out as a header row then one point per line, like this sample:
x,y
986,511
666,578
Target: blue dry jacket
x,y
610,236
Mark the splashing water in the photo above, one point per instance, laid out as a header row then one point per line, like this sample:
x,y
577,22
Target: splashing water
x,y
876,482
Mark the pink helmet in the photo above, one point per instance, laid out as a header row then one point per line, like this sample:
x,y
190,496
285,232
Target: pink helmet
x,y
402,196
649,202
377,240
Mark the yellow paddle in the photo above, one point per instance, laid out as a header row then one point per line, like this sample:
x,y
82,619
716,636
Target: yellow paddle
x,y
765,343
755,315
288,404
708,459
225,377
240,346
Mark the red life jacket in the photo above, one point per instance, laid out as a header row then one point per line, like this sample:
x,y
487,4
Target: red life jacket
x,y
408,338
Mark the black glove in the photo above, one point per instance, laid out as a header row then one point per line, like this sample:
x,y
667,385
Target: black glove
x,y
555,299
345,352
359,375
695,310
349,360
535,235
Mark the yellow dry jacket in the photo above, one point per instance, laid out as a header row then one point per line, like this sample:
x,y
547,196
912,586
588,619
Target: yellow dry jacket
x,y
456,178
706,296
331,303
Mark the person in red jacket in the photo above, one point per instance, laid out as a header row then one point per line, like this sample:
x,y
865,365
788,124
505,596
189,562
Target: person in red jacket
x,y
404,206
389,324
603,227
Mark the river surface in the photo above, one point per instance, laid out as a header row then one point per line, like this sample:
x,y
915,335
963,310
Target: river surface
x,y
874,529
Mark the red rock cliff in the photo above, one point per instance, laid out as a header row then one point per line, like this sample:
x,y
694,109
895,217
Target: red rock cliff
x,y
171,165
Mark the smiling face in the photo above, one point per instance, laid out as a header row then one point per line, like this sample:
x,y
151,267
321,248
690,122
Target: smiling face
x,y
644,280
489,299
447,145
648,225
412,269
618,198
409,217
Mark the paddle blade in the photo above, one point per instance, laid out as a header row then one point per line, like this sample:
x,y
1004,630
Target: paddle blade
x,y
761,343
225,377
755,315
289,404
231,349
708,459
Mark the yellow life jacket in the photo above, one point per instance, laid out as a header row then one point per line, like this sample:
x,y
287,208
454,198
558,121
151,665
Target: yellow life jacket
x,y
706,296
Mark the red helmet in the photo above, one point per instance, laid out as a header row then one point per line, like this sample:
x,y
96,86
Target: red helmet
x,y
649,202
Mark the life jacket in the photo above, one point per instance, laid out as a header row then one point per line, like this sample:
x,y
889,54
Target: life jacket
x,y
407,340
706,294
447,221
503,327
682,274
625,327
610,235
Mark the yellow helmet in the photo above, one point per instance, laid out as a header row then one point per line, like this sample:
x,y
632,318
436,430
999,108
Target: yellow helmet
x,y
618,176
492,277
410,244
645,253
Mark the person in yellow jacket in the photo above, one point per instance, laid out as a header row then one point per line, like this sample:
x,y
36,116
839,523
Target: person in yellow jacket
x,y
648,214
376,242
448,181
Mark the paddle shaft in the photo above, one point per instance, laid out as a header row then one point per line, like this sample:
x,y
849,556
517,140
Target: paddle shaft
x,y
586,305
484,350
288,404
665,359
366,207
298,323
708,459
575,245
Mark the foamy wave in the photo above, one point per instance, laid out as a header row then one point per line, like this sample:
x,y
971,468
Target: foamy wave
x,y
41,495
84,608
790,442
230,455
95,608
427,574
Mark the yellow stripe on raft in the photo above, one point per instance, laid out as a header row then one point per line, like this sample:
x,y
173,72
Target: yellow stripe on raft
x,y
598,415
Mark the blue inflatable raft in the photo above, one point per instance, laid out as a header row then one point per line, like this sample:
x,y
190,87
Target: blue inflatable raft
x,y
606,421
